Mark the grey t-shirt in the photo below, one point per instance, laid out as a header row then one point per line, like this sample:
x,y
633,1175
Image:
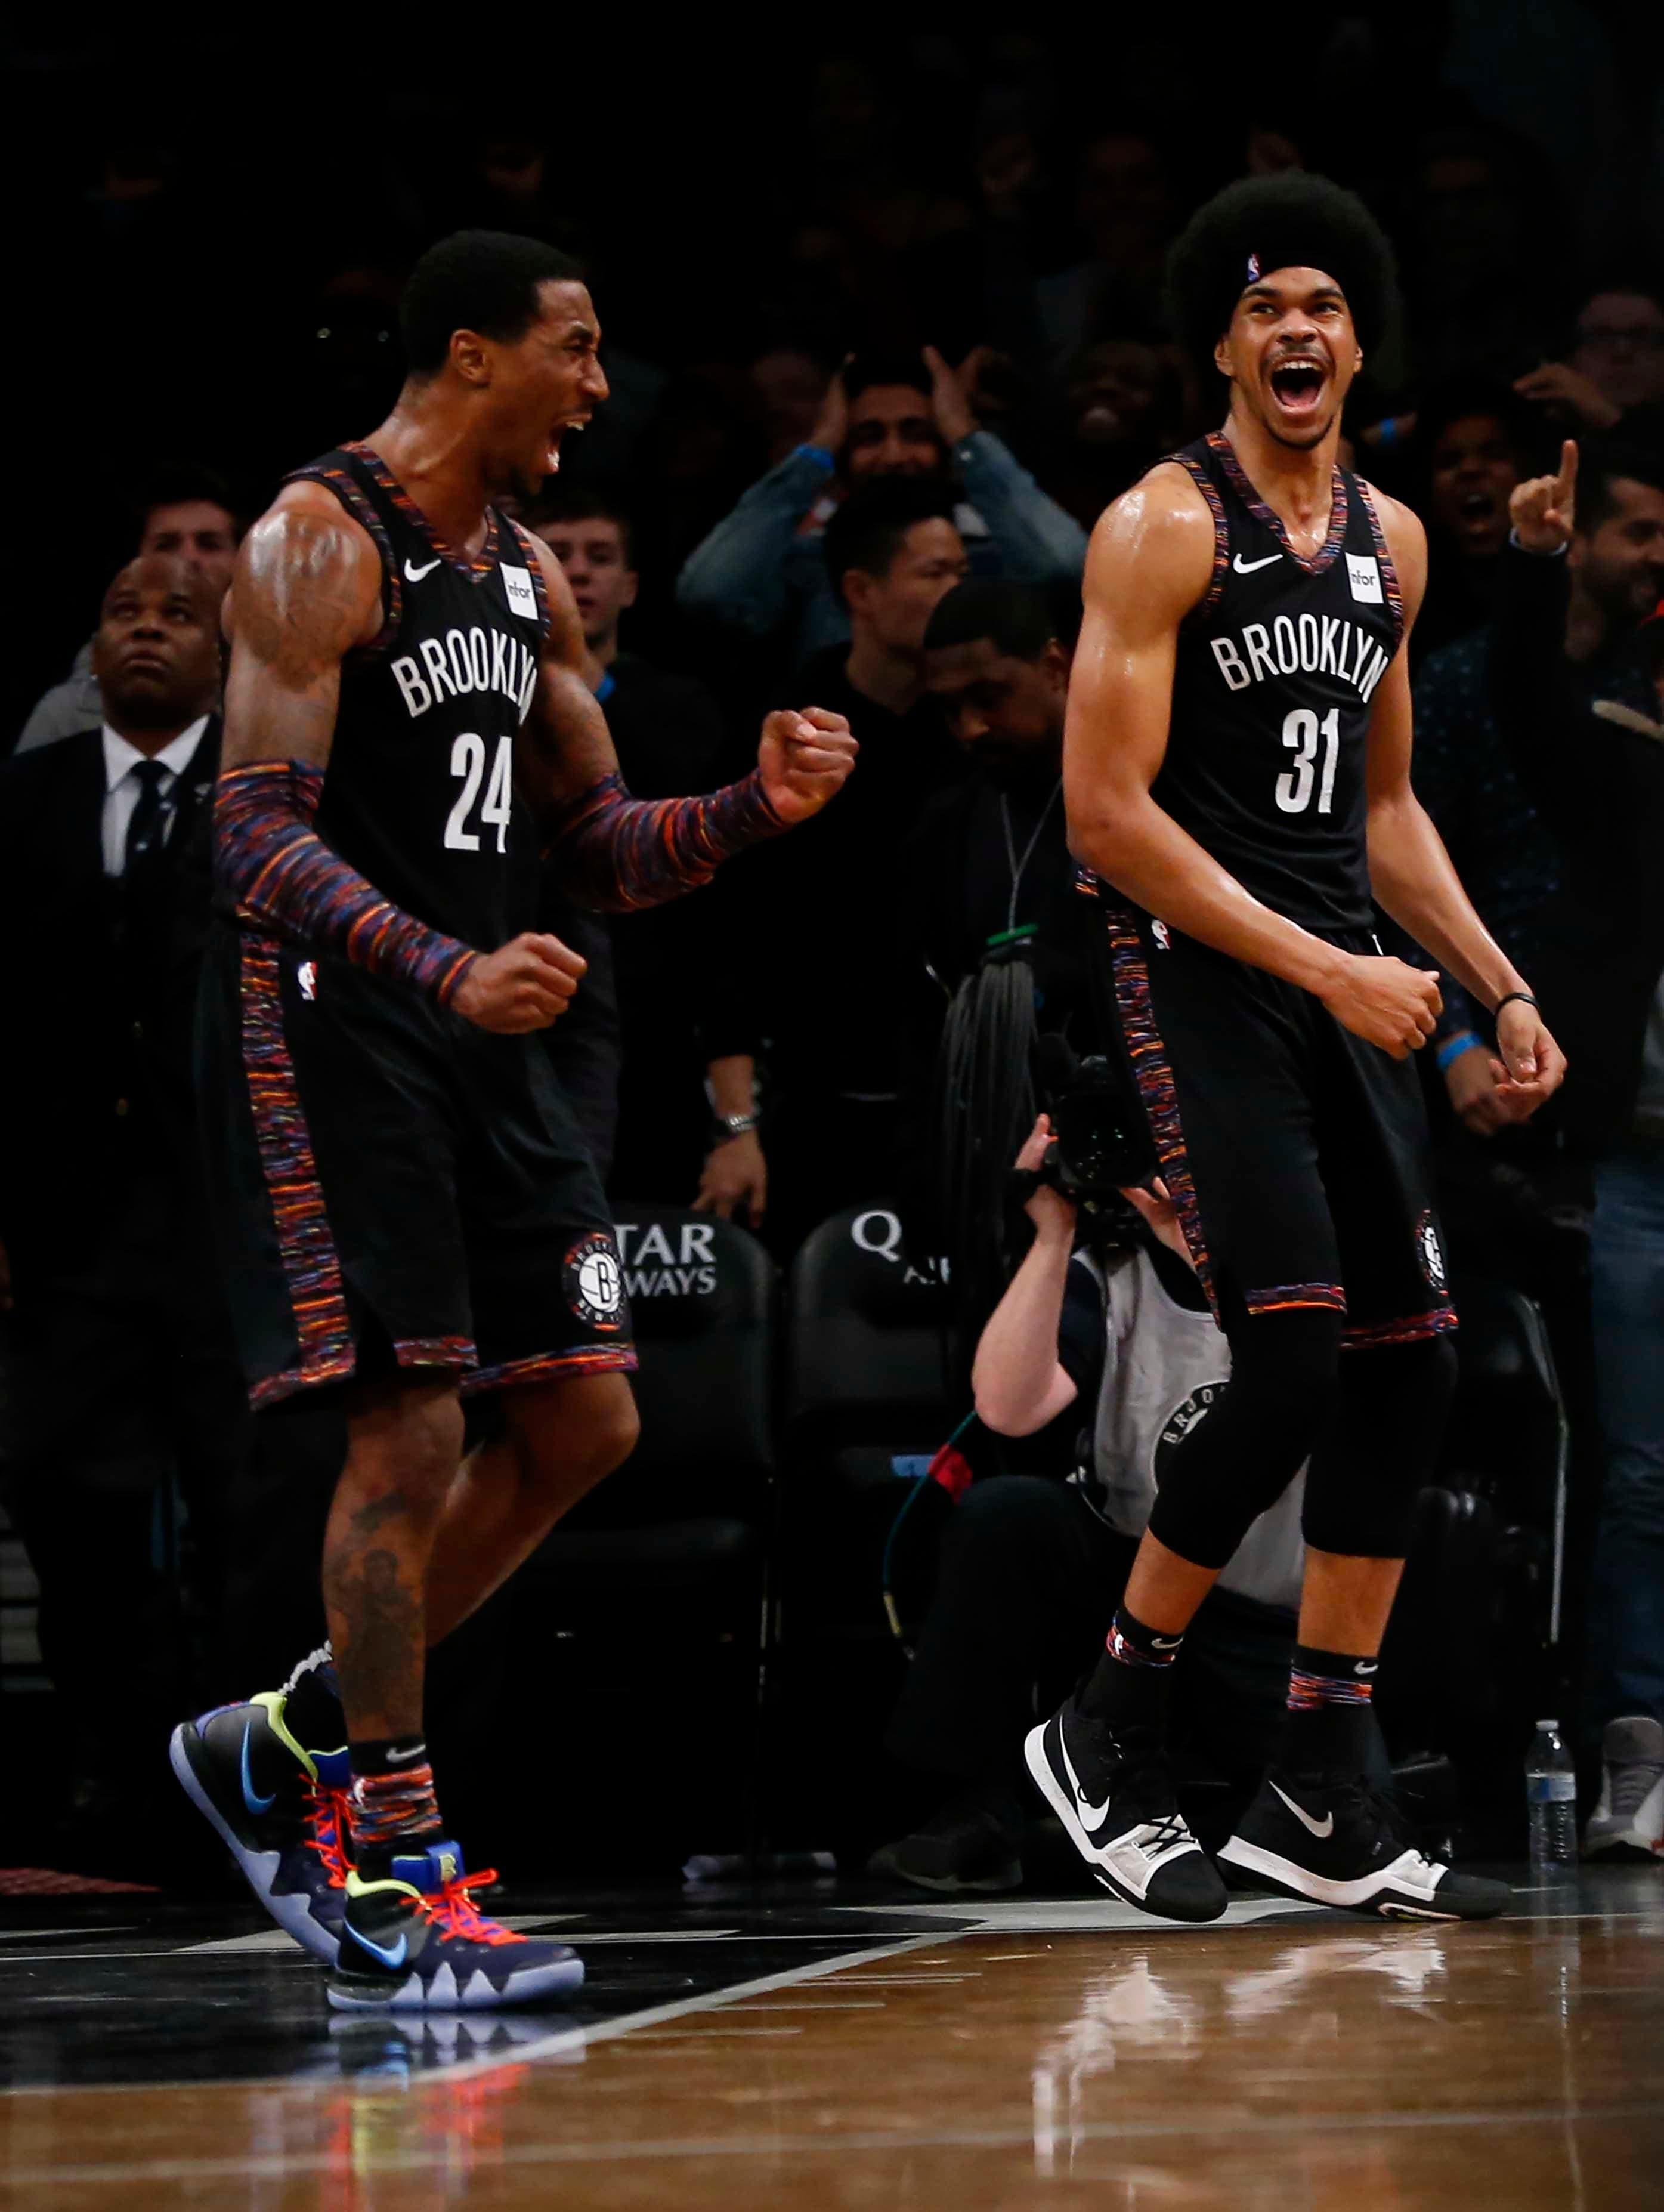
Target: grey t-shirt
x,y
1164,1367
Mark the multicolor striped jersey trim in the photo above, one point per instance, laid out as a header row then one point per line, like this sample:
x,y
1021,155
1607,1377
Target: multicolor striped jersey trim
x,y
1153,1073
1410,1329
1307,1693
1282,1296
458,1352
280,876
552,1366
617,853
325,1352
475,565
1340,509
1210,491
1383,556
351,495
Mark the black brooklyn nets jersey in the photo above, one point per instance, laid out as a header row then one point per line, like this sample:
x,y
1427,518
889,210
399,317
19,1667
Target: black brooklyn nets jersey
x,y
1276,669
419,794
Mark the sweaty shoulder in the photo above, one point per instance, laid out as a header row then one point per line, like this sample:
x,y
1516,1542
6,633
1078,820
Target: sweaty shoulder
x,y
307,571
1159,535
1407,541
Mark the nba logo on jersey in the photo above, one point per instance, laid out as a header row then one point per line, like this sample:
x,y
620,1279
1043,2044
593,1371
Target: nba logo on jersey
x,y
522,600
1253,269
307,976
1158,930
1364,570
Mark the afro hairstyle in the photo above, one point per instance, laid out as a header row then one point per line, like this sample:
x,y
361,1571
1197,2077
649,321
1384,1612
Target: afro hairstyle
x,y
1290,221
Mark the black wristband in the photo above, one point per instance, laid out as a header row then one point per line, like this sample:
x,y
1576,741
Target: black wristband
x,y
1510,997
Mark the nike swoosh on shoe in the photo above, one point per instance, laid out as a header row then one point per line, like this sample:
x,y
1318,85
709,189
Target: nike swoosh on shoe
x,y
1321,1829
252,1798
1092,1816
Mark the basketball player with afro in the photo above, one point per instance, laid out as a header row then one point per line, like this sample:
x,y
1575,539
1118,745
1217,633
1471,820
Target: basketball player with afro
x,y
1238,779
407,1208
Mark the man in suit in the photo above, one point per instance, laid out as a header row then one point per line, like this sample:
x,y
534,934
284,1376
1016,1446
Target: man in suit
x,y
123,1380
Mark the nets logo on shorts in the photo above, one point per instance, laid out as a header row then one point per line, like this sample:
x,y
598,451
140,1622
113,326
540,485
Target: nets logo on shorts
x,y
595,1281
1430,1252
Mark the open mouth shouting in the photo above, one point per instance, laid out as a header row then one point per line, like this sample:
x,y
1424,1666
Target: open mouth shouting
x,y
1299,384
557,431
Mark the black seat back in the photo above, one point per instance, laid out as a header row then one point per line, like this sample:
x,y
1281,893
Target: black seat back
x,y
701,1297
1504,1438
864,1339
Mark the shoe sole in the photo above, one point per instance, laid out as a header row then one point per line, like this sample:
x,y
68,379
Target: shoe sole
x,y
1034,1751
1371,1894
347,1994
1625,1849
257,1868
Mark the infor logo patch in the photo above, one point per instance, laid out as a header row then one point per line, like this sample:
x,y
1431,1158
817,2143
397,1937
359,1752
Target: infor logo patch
x,y
1365,571
595,1280
523,600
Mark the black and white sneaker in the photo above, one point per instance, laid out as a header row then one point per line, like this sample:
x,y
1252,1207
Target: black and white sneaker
x,y
416,1941
1334,1841
1113,1793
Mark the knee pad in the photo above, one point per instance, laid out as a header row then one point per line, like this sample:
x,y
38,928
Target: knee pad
x,y
1382,1449
1239,1460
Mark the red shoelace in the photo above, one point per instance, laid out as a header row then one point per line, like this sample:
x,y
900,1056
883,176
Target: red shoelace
x,y
453,1911
327,1825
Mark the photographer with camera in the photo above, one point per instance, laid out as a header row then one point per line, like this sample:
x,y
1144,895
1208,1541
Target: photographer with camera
x,y
1104,1315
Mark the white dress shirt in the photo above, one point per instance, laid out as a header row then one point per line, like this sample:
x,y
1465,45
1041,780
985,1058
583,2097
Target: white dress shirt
x,y
121,786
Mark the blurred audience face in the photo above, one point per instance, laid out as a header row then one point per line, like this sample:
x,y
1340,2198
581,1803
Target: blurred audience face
x,y
1125,200
1474,467
789,387
195,531
891,433
893,609
1006,712
1620,347
1115,393
596,562
156,651
1619,564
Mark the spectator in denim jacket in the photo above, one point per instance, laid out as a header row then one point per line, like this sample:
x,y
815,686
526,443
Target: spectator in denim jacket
x,y
761,572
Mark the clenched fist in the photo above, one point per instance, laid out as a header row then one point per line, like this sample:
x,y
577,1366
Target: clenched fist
x,y
1386,1001
805,759
522,986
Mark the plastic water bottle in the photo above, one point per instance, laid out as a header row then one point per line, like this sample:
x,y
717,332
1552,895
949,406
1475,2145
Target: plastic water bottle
x,y
1551,1799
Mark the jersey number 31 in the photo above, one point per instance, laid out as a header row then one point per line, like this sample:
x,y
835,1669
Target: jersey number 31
x,y
1301,732
468,761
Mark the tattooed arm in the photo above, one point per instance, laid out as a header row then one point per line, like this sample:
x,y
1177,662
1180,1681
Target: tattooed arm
x,y
617,852
307,590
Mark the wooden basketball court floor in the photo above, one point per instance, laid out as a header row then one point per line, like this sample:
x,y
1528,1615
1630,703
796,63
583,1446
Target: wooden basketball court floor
x,y
821,2046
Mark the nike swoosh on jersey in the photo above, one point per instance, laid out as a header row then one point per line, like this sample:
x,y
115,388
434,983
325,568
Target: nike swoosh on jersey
x,y
1242,568
1090,1814
1321,1829
414,575
389,1957
250,1797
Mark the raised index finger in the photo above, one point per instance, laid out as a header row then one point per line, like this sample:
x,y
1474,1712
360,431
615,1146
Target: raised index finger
x,y
1566,483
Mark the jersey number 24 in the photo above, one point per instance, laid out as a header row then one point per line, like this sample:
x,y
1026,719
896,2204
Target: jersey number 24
x,y
468,762
1301,732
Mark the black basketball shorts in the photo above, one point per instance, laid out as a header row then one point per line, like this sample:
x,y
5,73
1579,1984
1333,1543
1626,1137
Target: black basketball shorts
x,y
387,1179
1296,1153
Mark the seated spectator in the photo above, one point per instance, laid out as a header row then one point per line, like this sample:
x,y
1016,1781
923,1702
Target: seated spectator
x,y
1591,758
1032,1563
122,1372
187,512
1612,378
669,1142
1470,441
761,571
815,965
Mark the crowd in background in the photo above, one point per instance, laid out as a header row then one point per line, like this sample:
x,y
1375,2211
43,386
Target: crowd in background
x,y
883,340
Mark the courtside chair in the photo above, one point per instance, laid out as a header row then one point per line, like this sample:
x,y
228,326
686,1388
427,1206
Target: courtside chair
x,y
654,1588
